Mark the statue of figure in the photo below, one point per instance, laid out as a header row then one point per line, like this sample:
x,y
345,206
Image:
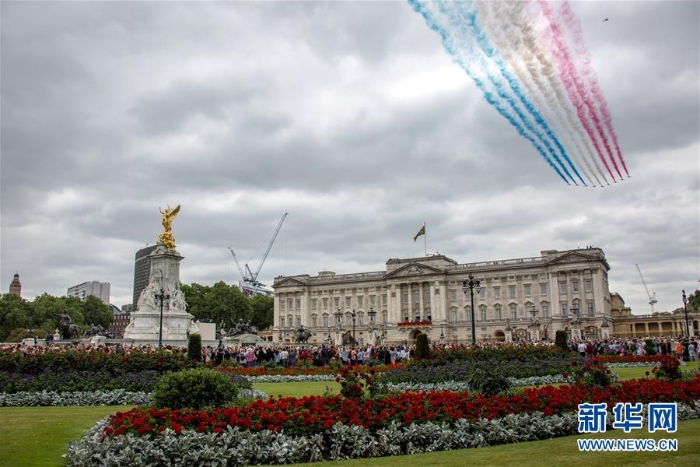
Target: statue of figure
x,y
303,334
166,237
242,327
66,329
177,300
147,298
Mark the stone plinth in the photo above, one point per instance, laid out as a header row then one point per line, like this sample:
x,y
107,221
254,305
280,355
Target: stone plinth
x,y
144,324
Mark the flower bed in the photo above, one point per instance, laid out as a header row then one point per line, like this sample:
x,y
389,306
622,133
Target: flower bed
x,y
287,430
314,414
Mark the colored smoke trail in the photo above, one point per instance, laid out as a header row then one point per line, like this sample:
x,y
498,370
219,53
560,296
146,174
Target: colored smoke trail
x,y
539,80
463,51
574,26
514,36
577,92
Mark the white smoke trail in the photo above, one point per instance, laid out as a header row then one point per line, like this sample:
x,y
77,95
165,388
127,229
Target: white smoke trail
x,y
511,32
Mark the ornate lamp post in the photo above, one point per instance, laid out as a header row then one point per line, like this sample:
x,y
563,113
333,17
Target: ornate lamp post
x,y
372,315
161,297
470,285
685,310
534,325
354,316
338,316
576,323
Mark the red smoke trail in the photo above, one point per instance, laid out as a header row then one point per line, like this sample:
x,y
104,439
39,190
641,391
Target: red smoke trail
x,y
568,72
574,26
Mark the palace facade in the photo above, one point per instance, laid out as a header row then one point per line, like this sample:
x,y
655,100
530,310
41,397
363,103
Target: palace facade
x,y
518,299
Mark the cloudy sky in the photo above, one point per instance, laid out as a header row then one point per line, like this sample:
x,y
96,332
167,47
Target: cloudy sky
x,y
351,117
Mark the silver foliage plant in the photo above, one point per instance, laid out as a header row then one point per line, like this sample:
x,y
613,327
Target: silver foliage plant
x,y
234,446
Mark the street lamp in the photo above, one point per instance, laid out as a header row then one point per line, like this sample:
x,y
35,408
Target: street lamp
x,y
372,315
354,315
685,310
470,285
162,297
442,333
576,323
338,315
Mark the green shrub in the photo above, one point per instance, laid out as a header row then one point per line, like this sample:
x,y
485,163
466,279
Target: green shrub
x,y
422,346
649,347
485,380
560,340
592,376
194,347
197,388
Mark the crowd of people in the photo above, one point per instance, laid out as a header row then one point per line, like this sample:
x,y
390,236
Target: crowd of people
x,y
683,348
680,347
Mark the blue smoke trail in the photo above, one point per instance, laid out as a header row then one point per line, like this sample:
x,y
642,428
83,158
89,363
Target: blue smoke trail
x,y
490,98
514,83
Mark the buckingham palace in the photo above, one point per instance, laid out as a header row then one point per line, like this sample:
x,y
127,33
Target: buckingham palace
x,y
512,299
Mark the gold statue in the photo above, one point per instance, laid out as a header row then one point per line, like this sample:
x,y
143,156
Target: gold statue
x,y
166,238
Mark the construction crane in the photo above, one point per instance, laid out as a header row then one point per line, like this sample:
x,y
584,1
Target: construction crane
x,y
250,277
652,295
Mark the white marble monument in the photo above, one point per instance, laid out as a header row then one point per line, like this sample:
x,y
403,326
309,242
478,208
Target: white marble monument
x,y
171,311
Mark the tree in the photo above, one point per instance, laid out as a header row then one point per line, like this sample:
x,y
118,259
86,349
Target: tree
x,y
694,301
96,312
221,303
263,311
15,313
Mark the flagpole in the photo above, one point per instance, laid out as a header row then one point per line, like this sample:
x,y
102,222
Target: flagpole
x,y
425,241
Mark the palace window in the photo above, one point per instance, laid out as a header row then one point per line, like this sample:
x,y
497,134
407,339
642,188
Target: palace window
x,y
511,291
564,309
360,301
591,308
384,300
325,320
528,290
372,300
298,320
314,320
543,289
298,304
348,302
360,319
588,285
562,287
453,316
336,302
281,321
325,303
313,303
468,311
574,286
497,311
513,309
281,305
545,310
482,312
385,316
453,295
497,293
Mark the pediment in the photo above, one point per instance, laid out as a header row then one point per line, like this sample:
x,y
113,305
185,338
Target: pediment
x,y
572,257
288,282
414,269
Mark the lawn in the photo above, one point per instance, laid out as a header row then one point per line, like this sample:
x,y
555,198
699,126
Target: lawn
x,y
38,436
